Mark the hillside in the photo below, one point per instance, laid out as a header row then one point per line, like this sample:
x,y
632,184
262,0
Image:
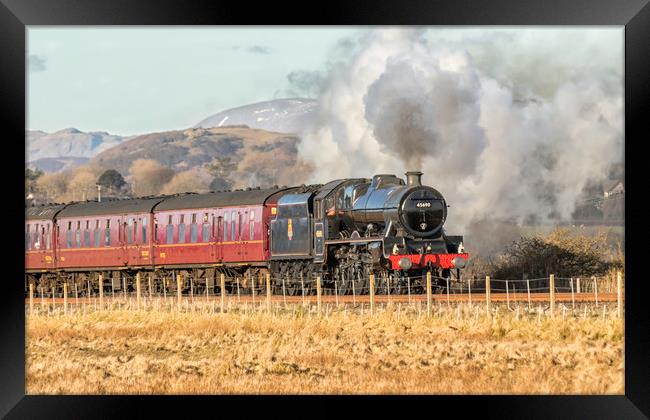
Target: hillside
x,y
261,158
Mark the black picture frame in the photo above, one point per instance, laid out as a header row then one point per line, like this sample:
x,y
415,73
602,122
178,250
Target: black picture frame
x,y
15,15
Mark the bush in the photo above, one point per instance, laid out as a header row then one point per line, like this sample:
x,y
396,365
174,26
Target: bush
x,y
560,252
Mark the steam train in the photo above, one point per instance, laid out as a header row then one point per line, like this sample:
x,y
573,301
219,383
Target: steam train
x,y
342,231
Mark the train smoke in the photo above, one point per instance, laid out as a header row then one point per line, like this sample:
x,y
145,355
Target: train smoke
x,y
496,137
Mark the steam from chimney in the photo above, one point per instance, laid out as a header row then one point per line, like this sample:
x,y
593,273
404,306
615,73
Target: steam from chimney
x,y
400,101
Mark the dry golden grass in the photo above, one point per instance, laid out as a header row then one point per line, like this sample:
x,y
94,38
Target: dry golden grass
x,y
458,352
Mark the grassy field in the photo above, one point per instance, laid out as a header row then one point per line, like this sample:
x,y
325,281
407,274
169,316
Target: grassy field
x,y
458,351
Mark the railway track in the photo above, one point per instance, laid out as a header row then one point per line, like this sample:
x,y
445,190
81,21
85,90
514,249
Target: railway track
x,y
475,298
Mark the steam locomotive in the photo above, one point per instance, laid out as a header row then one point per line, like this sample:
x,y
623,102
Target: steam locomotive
x,y
341,231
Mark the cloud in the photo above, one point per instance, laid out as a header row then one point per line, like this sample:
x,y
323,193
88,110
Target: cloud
x,y
37,62
253,49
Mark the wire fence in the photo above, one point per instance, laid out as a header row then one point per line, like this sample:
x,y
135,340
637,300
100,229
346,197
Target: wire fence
x,y
142,290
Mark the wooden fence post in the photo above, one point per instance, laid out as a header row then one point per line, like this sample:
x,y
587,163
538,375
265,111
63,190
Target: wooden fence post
x,y
448,292
268,292
619,293
429,293
302,287
318,293
528,288
253,288
372,293
507,295
65,297
573,299
31,298
151,287
552,294
595,289
137,290
408,287
336,294
284,292
179,282
578,285
469,290
223,290
487,295
238,293
101,292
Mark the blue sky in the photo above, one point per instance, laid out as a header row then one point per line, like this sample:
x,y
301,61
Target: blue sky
x,y
136,80
132,80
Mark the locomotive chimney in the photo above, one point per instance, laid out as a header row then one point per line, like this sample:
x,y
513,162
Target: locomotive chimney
x,y
413,178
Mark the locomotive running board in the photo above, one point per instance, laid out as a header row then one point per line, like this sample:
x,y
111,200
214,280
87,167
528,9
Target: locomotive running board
x,y
354,241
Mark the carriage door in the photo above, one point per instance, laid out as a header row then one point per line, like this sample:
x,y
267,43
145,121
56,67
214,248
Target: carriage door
x,y
217,236
123,251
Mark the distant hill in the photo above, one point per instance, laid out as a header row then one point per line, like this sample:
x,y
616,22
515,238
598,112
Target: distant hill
x,y
45,149
291,115
53,164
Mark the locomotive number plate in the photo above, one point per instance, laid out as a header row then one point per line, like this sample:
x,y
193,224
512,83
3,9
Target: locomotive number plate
x,y
423,204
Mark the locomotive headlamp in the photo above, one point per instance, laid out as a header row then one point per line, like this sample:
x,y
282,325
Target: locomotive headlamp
x,y
405,263
459,262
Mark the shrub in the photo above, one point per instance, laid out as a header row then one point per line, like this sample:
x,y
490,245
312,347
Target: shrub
x,y
560,252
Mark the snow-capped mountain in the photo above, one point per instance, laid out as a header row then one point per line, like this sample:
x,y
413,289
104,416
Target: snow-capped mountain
x,y
291,115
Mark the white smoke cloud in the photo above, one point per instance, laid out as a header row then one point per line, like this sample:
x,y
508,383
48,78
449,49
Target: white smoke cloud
x,y
500,137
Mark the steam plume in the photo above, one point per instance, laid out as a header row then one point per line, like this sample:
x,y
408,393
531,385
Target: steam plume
x,y
495,137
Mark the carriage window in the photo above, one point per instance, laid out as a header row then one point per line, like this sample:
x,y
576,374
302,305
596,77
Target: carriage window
x,y
68,239
170,234
206,232
205,235
144,229
232,225
87,235
77,235
27,237
96,235
181,230
107,233
129,231
225,226
252,224
37,244
194,232
170,230
48,238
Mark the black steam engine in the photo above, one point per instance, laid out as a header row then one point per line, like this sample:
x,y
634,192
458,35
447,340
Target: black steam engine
x,y
349,228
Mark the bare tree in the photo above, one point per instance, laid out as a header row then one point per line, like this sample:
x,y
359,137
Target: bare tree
x,y
149,176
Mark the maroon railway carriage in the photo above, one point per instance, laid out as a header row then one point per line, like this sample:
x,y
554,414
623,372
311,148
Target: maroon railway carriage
x,y
214,228
40,238
105,235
